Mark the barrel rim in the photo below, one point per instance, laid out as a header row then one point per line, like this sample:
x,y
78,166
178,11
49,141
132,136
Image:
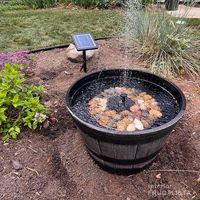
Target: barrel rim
x,y
145,132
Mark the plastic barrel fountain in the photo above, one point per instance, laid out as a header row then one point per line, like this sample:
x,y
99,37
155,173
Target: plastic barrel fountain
x,y
124,116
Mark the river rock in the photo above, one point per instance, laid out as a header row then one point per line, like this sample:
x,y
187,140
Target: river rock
x,y
125,113
138,114
155,113
140,101
110,113
147,97
131,127
143,106
138,124
104,120
145,124
102,103
77,56
121,126
145,113
117,117
134,108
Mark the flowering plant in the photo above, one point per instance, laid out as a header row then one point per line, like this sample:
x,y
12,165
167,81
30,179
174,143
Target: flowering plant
x,y
19,103
22,58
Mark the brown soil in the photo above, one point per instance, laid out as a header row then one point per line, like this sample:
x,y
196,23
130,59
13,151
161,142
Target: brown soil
x,y
56,164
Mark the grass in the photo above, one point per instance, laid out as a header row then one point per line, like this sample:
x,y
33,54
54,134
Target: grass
x,y
168,47
22,29
194,22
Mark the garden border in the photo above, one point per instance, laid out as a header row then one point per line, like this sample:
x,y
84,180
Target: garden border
x,y
65,45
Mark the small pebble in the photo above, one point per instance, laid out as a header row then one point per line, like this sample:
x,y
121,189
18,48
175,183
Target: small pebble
x,y
138,113
110,113
145,123
117,117
131,127
143,107
155,113
125,113
17,165
104,120
147,97
121,126
138,124
145,113
134,108
158,176
140,101
46,124
17,174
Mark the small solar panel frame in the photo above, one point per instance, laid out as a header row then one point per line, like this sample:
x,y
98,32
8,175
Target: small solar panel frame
x,y
84,48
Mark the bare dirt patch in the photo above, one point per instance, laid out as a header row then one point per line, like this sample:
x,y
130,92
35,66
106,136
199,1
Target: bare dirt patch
x,y
56,164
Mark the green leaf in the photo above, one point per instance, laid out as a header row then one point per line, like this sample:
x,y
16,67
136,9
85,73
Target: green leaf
x,y
14,134
16,101
2,110
17,129
35,124
3,117
30,125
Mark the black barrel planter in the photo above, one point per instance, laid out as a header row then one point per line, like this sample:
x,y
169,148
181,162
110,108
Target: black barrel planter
x,y
171,5
125,150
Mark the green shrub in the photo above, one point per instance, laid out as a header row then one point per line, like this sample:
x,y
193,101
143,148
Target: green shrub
x,y
169,46
39,3
35,4
84,3
19,103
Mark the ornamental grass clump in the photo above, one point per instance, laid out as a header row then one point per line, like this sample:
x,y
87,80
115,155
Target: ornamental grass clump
x,y
19,103
167,45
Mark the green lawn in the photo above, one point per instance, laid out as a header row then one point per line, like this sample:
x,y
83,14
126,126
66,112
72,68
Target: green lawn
x,y
22,28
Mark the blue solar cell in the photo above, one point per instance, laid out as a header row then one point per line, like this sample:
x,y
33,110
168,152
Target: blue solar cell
x,y
84,41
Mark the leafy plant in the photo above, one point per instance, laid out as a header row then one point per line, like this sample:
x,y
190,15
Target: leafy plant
x,y
168,46
19,103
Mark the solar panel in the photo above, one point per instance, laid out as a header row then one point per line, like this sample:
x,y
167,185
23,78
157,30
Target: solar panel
x,y
84,41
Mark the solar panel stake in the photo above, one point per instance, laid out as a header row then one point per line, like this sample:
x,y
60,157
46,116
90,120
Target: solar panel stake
x,y
84,42
84,66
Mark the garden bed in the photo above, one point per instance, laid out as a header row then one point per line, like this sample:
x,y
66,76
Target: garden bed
x,y
55,164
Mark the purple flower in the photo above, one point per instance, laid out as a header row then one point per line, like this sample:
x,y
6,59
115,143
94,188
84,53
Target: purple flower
x,y
23,61
10,54
28,69
1,63
2,55
21,53
20,57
